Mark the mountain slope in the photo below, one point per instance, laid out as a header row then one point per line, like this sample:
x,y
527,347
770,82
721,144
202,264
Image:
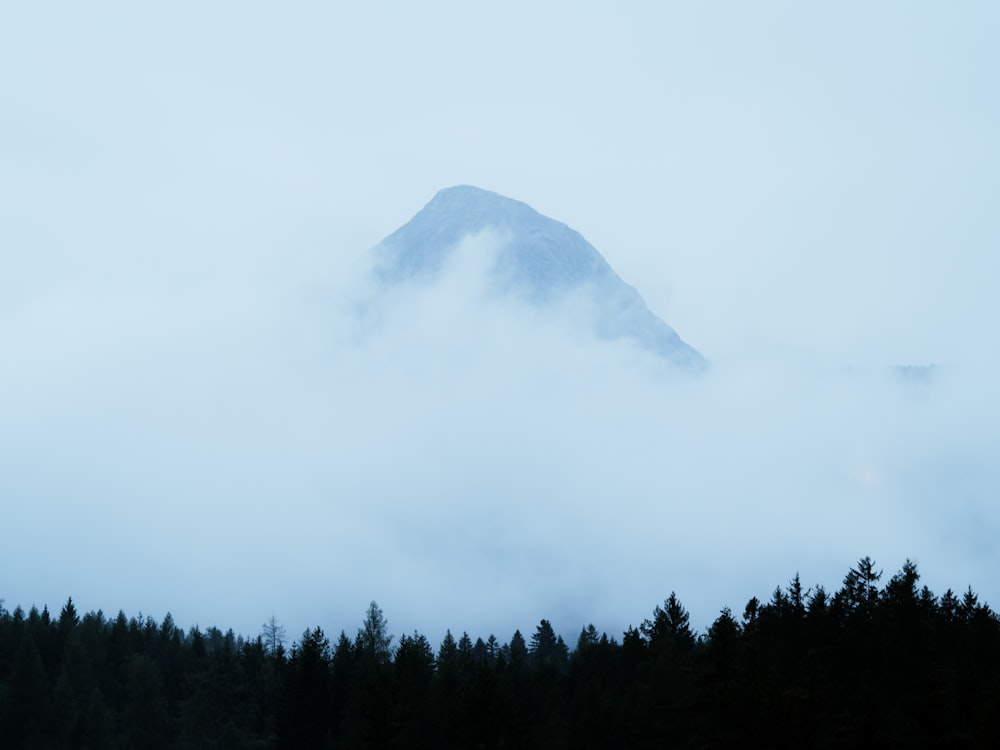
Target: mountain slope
x,y
539,259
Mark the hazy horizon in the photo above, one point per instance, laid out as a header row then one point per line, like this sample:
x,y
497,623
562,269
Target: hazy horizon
x,y
195,418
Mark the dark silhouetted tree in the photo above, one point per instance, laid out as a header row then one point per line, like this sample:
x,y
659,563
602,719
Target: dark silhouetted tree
x,y
860,591
304,720
413,714
373,639
273,635
669,630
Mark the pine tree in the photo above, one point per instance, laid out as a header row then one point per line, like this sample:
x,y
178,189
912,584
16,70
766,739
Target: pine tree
x,y
273,635
373,639
68,618
518,649
414,707
860,594
669,629
304,720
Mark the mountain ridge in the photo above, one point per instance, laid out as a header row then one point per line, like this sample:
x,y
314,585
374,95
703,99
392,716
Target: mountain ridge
x,y
539,259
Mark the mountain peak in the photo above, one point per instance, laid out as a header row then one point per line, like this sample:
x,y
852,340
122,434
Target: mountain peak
x,y
470,196
470,192
538,260
477,208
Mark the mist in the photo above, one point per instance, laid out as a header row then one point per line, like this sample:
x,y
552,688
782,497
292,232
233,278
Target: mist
x,y
210,405
298,438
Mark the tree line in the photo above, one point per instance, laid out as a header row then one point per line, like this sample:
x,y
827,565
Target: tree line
x,y
868,664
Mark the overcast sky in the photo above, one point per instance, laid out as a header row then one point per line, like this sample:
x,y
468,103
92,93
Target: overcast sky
x,y
190,418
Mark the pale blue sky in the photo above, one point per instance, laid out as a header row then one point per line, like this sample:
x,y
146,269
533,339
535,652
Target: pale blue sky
x,y
828,171
812,182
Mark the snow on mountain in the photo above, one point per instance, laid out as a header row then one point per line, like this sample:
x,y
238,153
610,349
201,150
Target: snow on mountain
x,y
539,260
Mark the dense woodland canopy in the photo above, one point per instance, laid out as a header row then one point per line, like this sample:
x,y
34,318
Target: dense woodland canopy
x,y
874,663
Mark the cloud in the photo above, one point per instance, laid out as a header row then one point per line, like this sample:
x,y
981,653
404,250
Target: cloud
x,y
295,439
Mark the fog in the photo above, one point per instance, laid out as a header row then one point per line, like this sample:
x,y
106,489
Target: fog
x,y
207,405
303,443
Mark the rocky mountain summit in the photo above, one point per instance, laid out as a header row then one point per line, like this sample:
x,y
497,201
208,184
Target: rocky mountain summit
x,y
539,260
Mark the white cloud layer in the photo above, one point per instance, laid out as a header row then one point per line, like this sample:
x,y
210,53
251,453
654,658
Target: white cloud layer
x,y
304,442
193,415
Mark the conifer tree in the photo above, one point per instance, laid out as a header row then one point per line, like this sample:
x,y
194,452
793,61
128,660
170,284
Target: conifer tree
x,y
670,628
373,639
273,635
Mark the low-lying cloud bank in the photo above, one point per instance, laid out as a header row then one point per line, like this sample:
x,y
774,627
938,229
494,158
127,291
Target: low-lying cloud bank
x,y
302,441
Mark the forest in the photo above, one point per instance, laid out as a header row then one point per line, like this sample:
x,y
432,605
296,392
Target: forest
x,y
881,661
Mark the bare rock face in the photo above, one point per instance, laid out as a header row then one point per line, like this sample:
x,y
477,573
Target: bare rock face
x,y
539,260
